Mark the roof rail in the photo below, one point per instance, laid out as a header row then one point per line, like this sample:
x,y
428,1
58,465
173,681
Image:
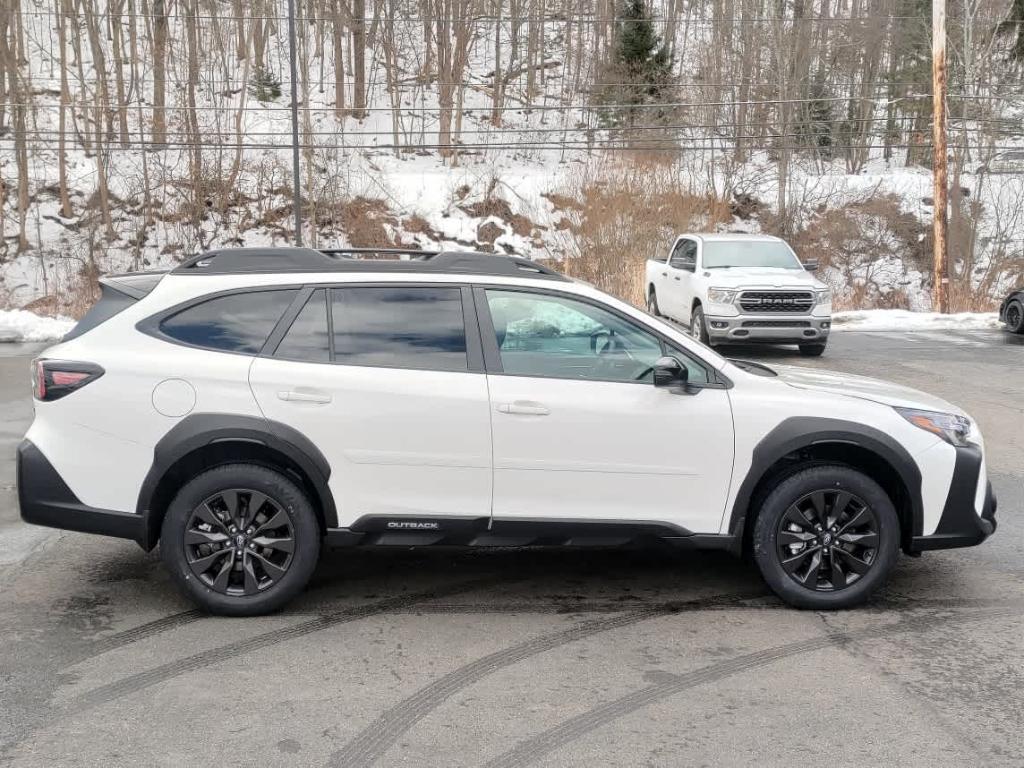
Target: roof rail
x,y
230,261
366,253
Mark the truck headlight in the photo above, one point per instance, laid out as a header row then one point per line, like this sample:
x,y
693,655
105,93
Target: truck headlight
x,y
721,295
823,296
952,428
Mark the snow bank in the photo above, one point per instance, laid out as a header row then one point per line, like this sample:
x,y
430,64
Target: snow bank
x,y
903,320
19,325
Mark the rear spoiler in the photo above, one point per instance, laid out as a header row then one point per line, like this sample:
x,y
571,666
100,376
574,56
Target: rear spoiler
x,y
135,285
117,292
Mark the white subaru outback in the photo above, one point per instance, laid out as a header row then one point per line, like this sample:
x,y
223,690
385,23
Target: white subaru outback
x,y
254,404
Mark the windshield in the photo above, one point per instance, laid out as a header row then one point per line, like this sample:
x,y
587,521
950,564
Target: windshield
x,y
749,253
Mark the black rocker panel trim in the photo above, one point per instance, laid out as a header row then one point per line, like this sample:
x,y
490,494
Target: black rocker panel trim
x,y
420,531
45,499
960,525
202,429
802,432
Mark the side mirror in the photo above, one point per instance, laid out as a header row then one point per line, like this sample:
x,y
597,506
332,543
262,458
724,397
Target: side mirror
x,y
669,373
811,265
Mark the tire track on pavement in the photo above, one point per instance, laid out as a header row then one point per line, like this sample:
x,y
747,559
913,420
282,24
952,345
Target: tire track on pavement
x,y
370,744
535,748
141,632
142,680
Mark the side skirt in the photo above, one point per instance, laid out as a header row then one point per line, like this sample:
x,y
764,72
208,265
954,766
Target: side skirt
x,y
524,532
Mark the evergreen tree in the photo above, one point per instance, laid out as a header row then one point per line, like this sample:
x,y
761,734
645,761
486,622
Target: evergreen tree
x,y
639,73
264,86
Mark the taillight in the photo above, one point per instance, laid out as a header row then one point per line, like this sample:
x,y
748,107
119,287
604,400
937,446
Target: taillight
x,y
53,379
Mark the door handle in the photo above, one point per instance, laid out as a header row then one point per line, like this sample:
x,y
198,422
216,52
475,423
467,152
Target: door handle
x,y
524,408
304,397
677,277
664,274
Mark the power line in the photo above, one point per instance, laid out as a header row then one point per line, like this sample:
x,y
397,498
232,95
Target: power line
x,y
578,20
537,107
113,137
487,80
596,146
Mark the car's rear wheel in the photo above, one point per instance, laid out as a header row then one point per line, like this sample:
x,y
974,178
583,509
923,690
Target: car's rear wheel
x,y
1014,317
240,540
652,304
812,350
827,537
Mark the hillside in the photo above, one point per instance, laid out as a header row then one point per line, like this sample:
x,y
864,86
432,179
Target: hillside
x,y
134,133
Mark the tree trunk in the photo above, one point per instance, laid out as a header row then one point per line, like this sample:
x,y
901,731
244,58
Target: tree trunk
x,y
65,104
159,71
359,58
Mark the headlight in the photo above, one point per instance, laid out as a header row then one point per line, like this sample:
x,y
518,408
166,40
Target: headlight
x,y
954,429
721,295
823,296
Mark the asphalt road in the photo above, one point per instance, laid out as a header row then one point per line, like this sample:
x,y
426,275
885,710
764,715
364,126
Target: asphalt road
x,y
518,658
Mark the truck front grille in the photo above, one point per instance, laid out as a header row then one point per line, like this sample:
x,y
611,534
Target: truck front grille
x,y
757,302
776,324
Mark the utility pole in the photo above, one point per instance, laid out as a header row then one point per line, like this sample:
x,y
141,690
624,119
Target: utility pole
x,y
940,293
296,180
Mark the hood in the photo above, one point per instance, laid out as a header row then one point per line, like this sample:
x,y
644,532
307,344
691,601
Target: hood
x,y
865,388
761,277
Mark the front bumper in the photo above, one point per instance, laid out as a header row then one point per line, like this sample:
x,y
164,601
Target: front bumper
x,y
45,499
960,524
769,328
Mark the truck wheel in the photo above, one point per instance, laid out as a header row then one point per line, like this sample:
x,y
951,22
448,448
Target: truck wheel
x,y
812,350
827,537
698,327
652,304
1015,317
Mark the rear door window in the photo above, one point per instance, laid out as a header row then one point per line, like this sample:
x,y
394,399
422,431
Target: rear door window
x,y
237,322
308,340
417,327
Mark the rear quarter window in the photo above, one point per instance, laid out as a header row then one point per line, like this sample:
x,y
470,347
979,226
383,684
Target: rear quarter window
x,y
237,322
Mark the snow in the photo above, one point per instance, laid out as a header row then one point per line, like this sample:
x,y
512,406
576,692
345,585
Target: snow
x,y
20,325
903,320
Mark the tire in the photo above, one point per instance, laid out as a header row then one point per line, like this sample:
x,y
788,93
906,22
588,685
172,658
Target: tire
x,y
792,553
1014,316
200,540
652,304
812,350
698,327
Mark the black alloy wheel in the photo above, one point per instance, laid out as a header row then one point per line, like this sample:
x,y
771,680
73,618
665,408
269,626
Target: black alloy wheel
x,y
827,536
828,540
239,542
1014,317
241,539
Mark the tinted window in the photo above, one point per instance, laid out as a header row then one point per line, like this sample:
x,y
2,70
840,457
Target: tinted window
x,y
238,322
558,337
750,253
308,339
685,255
400,328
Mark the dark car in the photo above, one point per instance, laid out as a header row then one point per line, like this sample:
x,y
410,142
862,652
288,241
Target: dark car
x,y
1012,311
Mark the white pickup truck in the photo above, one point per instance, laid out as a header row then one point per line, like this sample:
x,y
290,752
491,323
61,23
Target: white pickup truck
x,y
741,289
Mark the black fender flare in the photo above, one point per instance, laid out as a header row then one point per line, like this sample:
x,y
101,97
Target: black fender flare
x,y
800,432
202,429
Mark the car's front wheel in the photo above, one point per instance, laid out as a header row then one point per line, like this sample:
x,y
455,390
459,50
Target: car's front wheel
x,y
240,540
826,537
698,326
1014,316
